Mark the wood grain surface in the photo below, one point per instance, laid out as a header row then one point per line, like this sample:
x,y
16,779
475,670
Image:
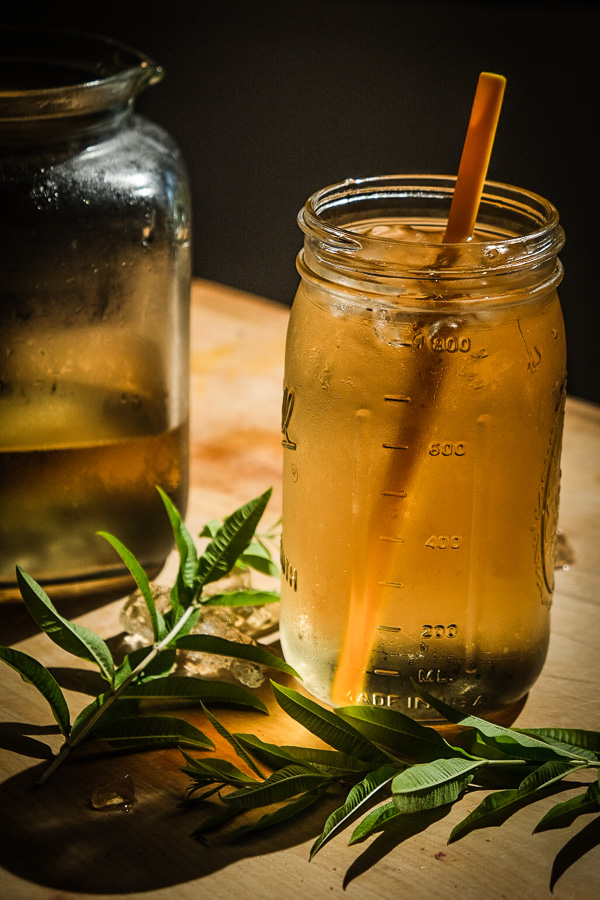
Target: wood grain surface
x,y
53,846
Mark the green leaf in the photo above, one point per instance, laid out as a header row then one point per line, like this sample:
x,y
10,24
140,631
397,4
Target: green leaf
x,y
242,597
471,743
288,811
75,639
174,615
180,597
565,813
375,821
230,541
141,579
196,799
273,756
360,794
330,762
574,740
210,529
281,785
211,771
327,726
509,741
117,709
150,731
433,784
258,557
239,749
158,667
182,687
188,555
33,672
398,733
496,807
209,643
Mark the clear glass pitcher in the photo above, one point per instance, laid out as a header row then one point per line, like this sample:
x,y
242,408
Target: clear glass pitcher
x,y
422,422
94,314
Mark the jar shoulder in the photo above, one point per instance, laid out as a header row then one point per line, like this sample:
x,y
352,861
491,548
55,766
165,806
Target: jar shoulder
x,y
137,168
112,157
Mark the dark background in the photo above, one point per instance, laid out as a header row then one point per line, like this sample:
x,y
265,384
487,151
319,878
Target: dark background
x,y
271,101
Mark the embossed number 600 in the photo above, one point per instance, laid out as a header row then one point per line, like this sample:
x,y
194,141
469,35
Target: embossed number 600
x,y
447,448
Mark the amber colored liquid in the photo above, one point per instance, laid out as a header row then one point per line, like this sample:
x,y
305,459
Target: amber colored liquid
x,y
421,481
97,457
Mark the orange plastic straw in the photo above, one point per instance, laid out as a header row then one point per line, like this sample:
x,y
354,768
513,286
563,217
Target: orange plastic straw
x,y
475,157
365,597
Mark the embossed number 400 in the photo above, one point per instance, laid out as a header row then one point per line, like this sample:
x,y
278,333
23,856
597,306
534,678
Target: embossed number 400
x,y
443,542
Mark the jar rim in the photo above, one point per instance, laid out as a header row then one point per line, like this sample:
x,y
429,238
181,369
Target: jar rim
x,y
521,228
98,73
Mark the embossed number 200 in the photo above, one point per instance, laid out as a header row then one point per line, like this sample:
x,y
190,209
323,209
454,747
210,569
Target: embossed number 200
x,y
439,631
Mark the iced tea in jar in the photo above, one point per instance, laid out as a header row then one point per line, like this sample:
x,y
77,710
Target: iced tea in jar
x,y
422,420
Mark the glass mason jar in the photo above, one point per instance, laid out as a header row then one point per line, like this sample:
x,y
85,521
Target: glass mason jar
x,y
422,421
94,314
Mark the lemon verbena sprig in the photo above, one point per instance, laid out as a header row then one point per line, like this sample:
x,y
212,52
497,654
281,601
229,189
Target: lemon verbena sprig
x,y
147,673
391,768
